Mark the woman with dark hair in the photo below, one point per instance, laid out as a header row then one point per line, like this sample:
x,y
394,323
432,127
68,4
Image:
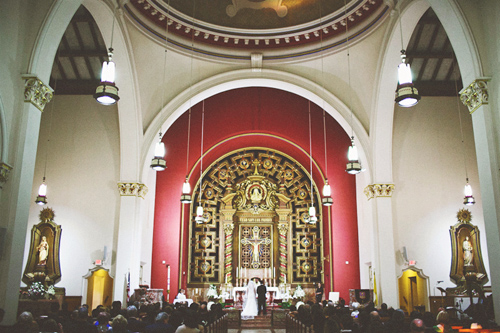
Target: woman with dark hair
x,y
102,322
319,292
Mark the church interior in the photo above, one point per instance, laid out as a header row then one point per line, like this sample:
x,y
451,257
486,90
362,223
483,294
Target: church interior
x,y
203,162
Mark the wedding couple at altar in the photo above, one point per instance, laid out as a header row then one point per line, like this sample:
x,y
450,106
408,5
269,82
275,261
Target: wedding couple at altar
x,y
252,305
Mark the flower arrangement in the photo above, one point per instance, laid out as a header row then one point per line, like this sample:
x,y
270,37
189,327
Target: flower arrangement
x,y
299,292
212,292
36,290
51,292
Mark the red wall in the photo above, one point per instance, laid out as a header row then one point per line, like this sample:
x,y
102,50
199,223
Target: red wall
x,y
273,117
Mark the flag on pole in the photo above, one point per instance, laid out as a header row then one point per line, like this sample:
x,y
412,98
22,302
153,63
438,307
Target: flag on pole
x,y
128,287
375,296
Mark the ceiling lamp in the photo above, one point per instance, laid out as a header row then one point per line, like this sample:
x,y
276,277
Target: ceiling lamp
x,y
186,192
41,199
199,219
106,92
158,162
406,94
469,198
327,190
312,210
353,166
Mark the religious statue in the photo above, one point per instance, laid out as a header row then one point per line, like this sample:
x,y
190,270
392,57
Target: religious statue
x,y
468,255
255,243
256,194
43,251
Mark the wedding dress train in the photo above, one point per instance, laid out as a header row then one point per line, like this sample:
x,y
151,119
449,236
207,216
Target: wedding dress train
x,y
250,310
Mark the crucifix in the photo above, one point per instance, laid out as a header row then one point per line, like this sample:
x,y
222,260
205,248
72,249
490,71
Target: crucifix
x,y
255,242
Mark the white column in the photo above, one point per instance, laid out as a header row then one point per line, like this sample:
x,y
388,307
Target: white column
x,y
385,253
475,97
16,199
128,249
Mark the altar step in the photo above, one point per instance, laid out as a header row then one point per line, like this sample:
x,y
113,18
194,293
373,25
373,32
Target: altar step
x,y
257,322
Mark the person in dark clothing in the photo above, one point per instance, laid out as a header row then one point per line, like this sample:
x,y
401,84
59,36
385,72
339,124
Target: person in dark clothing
x,y
261,297
161,325
82,324
319,293
383,313
134,323
376,325
397,323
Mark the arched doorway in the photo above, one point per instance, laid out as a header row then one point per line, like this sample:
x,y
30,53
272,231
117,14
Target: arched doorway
x,y
413,290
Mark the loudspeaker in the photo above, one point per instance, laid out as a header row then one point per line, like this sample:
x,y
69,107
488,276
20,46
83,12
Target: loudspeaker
x,y
404,253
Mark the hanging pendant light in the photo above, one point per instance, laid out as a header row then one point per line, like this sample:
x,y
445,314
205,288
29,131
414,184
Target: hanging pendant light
x,y
353,166
327,194
158,162
106,92
41,198
469,198
186,192
406,93
312,210
199,219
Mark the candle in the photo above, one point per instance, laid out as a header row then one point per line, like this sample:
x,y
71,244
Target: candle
x,y
274,272
225,280
285,278
237,276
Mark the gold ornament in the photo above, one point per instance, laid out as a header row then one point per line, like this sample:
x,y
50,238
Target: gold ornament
x,y
46,215
464,216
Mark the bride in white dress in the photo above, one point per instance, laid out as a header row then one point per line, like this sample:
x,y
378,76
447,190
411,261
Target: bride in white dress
x,y
250,306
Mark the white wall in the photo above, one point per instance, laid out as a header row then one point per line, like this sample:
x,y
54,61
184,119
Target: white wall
x,y
82,175
429,175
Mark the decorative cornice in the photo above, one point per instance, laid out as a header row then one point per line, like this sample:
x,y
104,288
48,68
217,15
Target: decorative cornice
x,y
4,173
133,189
379,190
154,16
476,94
36,92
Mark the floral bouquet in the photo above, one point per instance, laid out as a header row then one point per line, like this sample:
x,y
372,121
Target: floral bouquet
x,y
36,290
212,292
299,292
51,292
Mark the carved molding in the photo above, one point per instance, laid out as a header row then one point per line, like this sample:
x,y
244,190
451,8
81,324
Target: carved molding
x,y
133,189
36,92
4,173
475,95
379,190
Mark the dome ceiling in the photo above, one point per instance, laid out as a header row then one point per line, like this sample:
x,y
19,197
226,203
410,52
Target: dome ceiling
x,y
223,26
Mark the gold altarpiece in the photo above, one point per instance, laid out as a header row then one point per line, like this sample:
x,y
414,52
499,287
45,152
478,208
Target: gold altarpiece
x,y
256,203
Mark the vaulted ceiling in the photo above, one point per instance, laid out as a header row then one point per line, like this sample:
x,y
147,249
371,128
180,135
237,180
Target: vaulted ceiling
x,y
77,66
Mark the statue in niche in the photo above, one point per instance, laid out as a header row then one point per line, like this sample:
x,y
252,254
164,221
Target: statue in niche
x,y
256,194
468,254
43,251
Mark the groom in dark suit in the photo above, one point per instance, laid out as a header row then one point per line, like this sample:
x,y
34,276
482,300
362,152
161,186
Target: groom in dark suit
x,y
261,296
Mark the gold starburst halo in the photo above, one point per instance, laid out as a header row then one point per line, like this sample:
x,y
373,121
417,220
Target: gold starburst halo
x,y
464,215
47,214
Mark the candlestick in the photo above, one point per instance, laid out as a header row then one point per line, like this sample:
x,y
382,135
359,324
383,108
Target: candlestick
x,y
274,272
225,281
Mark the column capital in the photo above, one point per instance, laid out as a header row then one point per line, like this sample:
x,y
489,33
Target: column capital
x,y
36,92
132,190
4,172
379,190
476,94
